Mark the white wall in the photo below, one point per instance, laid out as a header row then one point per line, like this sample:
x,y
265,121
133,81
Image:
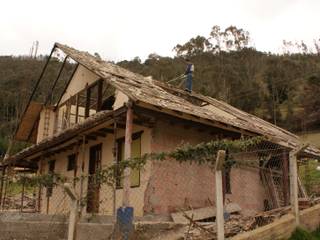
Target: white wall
x,y
59,201
81,78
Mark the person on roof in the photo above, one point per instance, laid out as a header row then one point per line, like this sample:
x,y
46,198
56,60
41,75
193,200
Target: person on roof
x,y
188,74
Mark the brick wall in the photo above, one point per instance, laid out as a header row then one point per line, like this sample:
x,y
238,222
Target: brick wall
x,y
176,185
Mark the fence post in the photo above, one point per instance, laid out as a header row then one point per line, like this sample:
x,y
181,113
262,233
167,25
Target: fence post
x,y
294,181
2,183
294,185
73,217
219,194
22,194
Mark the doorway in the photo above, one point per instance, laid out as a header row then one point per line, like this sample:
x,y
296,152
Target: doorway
x,y
93,183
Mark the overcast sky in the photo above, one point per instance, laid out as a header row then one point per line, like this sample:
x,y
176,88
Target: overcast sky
x,y
123,29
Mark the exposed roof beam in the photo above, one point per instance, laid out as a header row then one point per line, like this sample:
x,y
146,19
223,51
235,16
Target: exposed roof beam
x,y
67,85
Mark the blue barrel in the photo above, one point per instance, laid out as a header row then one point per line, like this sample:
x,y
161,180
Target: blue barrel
x,y
125,221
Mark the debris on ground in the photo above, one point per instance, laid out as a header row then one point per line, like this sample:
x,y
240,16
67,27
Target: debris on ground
x,y
237,223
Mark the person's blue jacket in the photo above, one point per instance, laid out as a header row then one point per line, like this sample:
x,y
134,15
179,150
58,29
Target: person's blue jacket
x,y
190,69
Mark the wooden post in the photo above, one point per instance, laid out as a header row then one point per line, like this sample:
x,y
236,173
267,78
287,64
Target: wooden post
x,y
22,194
88,101
73,217
219,194
127,155
5,190
115,159
40,187
83,156
99,100
2,181
77,108
285,176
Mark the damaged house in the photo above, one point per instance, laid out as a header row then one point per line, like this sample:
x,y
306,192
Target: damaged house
x,y
84,131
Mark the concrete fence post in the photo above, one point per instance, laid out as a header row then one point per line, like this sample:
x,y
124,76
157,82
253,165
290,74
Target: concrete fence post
x,y
294,185
73,217
219,194
294,189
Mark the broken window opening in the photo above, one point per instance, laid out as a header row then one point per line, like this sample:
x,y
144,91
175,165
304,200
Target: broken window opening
x,y
71,162
87,102
108,103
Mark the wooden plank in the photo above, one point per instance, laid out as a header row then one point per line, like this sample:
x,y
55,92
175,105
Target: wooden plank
x,y
285,178
87,108
202,213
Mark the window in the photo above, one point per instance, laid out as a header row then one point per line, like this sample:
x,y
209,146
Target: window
x,y
90,100
51,167
135,152
71,162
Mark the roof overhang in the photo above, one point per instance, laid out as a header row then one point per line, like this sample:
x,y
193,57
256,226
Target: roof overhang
x,y
27,129
68,136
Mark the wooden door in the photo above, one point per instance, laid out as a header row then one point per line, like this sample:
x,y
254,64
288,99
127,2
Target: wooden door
x,y
93,183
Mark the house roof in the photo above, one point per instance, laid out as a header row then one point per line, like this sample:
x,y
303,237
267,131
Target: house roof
x,y
148,92
162,97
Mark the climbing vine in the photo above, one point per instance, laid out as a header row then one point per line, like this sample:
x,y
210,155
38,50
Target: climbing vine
x,y
203,153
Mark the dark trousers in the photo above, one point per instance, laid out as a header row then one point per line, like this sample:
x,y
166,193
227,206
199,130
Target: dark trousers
x,y
189,82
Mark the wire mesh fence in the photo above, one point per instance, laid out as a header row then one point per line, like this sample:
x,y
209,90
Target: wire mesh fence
x,y
18,195
309,175
256,192
258,180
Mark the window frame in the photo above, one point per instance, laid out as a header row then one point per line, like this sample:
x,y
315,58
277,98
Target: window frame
x,y
120,143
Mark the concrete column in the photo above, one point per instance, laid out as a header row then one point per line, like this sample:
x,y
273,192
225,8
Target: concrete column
x,y
294,185
127,155
219,194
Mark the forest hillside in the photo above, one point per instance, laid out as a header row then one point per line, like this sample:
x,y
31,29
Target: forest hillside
x,y
280,88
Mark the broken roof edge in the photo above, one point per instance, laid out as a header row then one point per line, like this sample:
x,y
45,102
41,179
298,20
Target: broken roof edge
x,y
310,150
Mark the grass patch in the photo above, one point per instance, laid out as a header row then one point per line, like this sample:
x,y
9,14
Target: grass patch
x,y
15,188
301,234
310,177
